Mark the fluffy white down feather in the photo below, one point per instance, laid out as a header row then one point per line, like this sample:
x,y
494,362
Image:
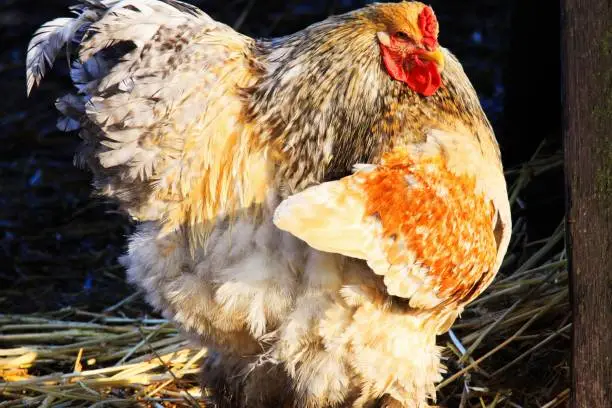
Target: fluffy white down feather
x,y
261,293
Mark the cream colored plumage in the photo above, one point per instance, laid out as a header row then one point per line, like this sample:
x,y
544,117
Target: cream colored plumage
x,y
313,285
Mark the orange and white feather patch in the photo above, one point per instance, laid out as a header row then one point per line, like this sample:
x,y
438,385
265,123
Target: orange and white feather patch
x,y
425,228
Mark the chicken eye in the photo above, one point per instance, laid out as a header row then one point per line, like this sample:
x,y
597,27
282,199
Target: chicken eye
x,y
400,35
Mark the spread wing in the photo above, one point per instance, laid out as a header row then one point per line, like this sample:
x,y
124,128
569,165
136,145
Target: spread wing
x,y
428,230
158,103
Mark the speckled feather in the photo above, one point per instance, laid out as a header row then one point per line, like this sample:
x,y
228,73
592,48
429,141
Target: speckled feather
x,y
423,225
312,285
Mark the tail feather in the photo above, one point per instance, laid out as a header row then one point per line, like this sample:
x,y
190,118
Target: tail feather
x,y
46,43
72,107
52,36
86,75
156,82
121,20
106,23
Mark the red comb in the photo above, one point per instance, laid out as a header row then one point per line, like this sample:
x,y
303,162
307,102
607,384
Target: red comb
x,y
428,24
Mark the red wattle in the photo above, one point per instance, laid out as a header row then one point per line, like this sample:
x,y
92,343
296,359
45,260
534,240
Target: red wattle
x,y
424,78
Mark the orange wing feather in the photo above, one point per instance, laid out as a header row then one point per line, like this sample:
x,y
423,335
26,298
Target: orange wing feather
x,y
437,214
427,229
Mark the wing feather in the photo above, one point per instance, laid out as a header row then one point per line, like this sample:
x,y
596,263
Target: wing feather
x,y
427,230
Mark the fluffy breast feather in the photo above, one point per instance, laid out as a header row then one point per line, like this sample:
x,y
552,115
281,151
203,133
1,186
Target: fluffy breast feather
x,y
321,321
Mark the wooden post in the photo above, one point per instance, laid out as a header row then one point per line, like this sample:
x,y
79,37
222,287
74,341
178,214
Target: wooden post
x,y
587,99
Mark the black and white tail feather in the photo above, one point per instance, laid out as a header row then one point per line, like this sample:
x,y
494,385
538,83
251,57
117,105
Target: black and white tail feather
x,y
145,72
53,36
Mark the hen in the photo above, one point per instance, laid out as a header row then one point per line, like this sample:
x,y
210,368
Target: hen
x,y
314,209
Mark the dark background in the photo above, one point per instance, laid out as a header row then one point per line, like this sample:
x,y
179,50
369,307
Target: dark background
x,y
58,246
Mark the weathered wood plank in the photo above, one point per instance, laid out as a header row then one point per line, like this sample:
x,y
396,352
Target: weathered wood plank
x,y
587,92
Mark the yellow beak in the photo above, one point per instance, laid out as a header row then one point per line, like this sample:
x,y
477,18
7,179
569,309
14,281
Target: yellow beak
x,y
436,56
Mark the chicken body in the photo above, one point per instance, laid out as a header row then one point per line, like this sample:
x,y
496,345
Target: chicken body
x,y
305,211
